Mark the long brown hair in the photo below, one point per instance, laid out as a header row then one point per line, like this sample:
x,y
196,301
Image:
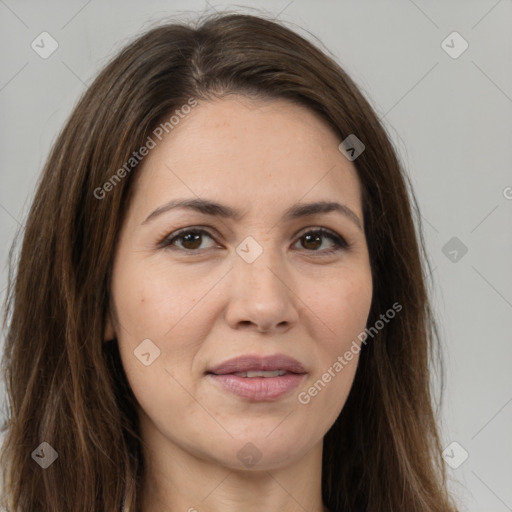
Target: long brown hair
x,y
68,388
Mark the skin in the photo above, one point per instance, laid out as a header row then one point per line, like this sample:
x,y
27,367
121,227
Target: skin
x,y
208,306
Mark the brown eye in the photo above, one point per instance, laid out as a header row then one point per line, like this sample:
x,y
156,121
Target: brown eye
x,y
191,240
188,239
312,241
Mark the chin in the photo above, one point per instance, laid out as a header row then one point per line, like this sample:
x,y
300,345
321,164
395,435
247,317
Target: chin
x,y
259,453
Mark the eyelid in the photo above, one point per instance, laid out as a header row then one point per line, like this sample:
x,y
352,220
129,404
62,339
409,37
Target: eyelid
x,y
166,240
315,229
340,242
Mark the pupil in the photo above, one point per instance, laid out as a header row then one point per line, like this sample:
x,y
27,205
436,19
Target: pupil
x,y
309,238
191,238
190,241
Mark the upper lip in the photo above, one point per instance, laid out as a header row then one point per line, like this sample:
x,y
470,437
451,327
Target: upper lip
x,y
249,363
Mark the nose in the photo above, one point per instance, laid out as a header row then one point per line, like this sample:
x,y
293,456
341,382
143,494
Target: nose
x,y
262,295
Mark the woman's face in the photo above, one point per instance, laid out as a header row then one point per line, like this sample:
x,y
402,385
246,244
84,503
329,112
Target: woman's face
x,y
261,284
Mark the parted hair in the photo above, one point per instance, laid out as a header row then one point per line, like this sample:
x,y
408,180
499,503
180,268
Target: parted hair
x,y
66,387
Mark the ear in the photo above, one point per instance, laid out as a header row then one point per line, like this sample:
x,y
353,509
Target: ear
x,y
110,332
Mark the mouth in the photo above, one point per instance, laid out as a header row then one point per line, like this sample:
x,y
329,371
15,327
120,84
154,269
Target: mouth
x,y
258,379
260,373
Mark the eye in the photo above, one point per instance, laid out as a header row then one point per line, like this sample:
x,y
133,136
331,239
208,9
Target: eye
x,y
312,241
189,239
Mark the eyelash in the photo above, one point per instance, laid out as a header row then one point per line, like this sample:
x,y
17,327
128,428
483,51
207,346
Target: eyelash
x,y
339,242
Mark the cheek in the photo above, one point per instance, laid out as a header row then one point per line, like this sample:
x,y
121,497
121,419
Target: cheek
x,y
152,338
162,313
342,305
152,300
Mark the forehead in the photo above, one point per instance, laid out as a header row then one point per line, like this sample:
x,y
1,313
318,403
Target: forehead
x,y
243,151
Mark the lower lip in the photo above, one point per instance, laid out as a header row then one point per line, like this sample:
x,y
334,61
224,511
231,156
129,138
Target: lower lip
x,y
259,389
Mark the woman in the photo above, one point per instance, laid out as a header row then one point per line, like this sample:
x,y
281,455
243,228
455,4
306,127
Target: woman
x,y
220,302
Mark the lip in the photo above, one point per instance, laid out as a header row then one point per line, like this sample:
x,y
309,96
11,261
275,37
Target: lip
x,y
258,389
248,363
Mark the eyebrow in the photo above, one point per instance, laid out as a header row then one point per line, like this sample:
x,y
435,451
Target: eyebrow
x,y
296,211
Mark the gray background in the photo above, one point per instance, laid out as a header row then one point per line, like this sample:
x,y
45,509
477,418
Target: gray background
x,y
450,120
